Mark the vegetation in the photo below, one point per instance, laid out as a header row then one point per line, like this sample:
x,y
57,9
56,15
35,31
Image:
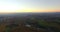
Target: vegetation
x,y
38,23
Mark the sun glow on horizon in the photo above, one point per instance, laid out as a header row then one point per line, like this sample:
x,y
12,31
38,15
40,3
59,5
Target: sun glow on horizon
x,y
15,6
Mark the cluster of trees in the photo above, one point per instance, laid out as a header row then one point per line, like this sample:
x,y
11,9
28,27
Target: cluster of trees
x,y
43,23
50,23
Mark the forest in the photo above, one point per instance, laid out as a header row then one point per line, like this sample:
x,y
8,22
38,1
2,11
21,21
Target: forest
x,y
30,23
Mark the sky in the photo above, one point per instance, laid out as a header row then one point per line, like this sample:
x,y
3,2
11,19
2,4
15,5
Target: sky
x,y
7,6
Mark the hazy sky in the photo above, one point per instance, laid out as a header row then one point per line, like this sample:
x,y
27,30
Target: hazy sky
x,y
29,5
